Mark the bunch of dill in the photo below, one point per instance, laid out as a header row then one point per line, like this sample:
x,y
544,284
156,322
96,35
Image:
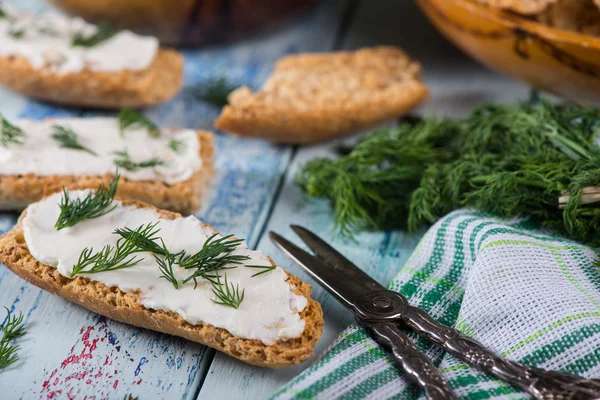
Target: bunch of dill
x,y
508,160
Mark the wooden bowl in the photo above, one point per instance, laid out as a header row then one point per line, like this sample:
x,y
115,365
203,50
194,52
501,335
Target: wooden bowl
x,y
561,62
187,22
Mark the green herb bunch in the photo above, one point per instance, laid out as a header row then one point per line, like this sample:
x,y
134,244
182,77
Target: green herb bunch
x,y
509,160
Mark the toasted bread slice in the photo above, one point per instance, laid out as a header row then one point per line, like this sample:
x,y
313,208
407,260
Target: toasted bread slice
x,y
127,308
316,97
526,7
155,84
18,191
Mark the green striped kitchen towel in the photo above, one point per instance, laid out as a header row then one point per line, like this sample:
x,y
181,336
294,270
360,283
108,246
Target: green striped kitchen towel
x,y
527,295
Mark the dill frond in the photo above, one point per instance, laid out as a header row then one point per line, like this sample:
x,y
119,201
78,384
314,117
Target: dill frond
x,y
10,134
129,118
215,255
215,91
68,139
124,161
264,268
177,145
12,329
227,294
93,205
121,255
103,33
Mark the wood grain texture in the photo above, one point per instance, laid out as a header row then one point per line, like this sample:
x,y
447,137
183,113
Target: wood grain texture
x,y
71,353
457,84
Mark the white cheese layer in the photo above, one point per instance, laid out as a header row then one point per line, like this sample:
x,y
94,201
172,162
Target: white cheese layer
x,y
269,311
41,154
45,40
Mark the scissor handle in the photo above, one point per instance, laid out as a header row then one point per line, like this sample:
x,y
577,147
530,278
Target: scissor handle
x,y
541,384
417,366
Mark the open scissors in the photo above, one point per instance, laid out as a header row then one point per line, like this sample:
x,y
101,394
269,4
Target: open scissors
x,y
381,311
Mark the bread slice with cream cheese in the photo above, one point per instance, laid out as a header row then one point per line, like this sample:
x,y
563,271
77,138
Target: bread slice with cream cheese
x,y
127,306
38,167
39,58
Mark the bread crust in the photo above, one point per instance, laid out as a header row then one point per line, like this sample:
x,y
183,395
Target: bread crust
x,y
18,191
320,96
155,84
127,308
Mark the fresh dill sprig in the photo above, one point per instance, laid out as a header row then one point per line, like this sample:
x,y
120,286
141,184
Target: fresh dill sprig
x,y
129,396
227,294
12,329
265,269
122,254
215,91
215,255
15,33
68,139
130,118
176,145
147,240
93,205
10,134
103,32
144,238
124,161
508,160
165,264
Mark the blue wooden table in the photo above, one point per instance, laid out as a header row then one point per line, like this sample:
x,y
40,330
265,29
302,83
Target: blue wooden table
x,y
70,353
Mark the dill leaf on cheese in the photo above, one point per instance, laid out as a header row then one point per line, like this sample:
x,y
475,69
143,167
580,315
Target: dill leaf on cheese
x,y
215,255
124,161
177,145
103,32
129,118
10,134
226,293
93,205
68,139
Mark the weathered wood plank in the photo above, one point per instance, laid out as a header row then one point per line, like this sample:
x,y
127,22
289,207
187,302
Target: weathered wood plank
x,y
457,84
71,353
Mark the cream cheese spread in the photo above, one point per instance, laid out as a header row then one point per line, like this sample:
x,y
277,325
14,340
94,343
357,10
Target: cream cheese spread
x,y
42,155
269,311
45,40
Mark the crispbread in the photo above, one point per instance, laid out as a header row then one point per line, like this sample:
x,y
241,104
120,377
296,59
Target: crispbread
x,y
155,84
320,96
526,7
126,307
18,191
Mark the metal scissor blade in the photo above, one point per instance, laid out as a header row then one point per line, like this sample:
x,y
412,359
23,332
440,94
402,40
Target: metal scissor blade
x,y
344,267
342,289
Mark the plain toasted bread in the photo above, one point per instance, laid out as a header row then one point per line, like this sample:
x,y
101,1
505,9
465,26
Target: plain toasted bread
x,y
126,307
18,191
320,96
155,84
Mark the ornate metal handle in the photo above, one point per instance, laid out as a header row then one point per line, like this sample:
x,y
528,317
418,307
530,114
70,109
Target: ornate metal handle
x,y
541,384
416,364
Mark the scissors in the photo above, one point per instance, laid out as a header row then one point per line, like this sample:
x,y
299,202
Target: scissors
x,y
383,311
